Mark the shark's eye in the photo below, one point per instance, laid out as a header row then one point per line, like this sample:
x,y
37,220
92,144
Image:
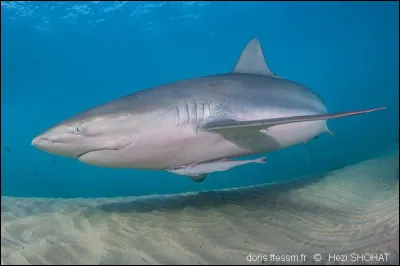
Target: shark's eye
x,y
77,129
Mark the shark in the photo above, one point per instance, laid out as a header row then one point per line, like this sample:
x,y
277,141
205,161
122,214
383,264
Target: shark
x,y
197,126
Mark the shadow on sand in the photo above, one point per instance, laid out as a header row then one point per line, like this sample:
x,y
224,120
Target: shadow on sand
x,y
268,195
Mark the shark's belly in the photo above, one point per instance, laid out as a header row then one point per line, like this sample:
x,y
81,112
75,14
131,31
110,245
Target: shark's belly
x,y
165,143
186,146
295,133
180,147
183,146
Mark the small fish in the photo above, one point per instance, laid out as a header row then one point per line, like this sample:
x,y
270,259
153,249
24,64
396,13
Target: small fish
x,y
25,173
7,149
36,173
197,172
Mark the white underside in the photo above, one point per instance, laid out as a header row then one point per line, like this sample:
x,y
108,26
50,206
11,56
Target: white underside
x,y
177,146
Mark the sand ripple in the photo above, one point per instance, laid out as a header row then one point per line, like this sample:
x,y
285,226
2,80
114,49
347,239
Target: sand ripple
x,y
348,211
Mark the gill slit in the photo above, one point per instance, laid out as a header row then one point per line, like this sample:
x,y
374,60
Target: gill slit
x,y
195,113
201,109
179,116
209,108
187,113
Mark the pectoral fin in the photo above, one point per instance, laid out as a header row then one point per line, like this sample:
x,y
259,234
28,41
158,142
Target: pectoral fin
x,y
266,123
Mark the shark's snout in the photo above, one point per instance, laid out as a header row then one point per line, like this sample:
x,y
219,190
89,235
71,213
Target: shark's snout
x,y
43,143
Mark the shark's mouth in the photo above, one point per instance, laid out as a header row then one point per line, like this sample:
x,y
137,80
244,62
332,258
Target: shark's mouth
x,y
104,150
87,152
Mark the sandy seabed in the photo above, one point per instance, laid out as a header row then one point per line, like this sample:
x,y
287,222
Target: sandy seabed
x,y
351,214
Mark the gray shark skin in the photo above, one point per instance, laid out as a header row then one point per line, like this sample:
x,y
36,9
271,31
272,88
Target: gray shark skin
x,y
245,112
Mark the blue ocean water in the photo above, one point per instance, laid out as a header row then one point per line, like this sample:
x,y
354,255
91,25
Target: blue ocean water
x,y
60,58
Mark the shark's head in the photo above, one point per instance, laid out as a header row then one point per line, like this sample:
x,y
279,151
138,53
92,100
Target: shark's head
x,y
89,137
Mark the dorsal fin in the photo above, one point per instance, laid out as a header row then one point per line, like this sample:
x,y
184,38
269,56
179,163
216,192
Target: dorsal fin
x,y
252,60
